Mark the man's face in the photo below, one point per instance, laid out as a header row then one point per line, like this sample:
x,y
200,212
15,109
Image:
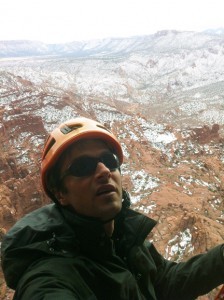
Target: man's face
x,y
98,195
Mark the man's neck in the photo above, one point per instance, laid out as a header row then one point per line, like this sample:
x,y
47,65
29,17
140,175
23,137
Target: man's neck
x,y
109,228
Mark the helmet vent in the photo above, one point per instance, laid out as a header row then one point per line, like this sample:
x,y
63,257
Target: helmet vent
x,y
49,146
102,127
66,129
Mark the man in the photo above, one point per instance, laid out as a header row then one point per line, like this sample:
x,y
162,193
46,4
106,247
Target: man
x,y
89,244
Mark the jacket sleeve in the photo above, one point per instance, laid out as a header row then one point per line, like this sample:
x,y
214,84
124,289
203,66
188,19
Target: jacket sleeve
x,y
50,279
190,279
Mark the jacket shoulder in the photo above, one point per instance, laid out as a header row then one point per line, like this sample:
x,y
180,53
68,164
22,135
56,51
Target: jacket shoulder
x,y
38,222
27,240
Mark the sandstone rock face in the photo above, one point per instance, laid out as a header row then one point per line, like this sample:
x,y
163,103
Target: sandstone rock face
x,y
19,164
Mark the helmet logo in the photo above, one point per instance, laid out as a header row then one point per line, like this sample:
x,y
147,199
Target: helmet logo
x,y
66,129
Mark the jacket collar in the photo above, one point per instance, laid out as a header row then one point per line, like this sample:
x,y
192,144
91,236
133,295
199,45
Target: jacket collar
x,y
131,228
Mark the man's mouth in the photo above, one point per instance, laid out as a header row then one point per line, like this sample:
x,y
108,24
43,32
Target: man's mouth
x,y
105,189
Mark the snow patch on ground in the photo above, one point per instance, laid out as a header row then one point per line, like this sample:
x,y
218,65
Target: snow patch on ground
x,y
143,181
52,116
158,136
179,246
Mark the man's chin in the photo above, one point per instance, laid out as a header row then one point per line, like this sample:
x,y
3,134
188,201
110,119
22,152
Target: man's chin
x,y
110,213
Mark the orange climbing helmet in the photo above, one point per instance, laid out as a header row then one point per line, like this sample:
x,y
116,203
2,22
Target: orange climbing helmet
x,y
68,133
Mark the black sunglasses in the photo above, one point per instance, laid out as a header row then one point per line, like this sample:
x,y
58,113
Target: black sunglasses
x,y
86,165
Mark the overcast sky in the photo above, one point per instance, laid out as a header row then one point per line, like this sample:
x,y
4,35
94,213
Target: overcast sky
x,y
53,21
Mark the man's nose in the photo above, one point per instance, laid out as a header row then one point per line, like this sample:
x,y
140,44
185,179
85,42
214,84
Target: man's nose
x,y
102,170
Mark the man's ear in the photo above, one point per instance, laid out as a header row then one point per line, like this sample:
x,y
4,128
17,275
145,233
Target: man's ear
x,y
61,197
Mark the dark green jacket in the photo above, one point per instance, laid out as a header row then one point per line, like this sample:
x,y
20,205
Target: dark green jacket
x,y
53,254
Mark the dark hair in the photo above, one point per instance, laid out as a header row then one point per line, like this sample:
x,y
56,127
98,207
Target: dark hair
x,y
53,177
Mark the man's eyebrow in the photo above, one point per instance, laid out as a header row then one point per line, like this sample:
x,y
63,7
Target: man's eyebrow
x,y
92,156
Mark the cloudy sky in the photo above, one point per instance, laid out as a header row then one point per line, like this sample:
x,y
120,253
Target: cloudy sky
x,y
55,21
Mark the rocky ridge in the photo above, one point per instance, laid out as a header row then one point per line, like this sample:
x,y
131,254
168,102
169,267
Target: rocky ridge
x,y
177,73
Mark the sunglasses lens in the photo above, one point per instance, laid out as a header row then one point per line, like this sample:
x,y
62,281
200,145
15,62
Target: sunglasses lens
x,y
110,160
83,166
86,166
